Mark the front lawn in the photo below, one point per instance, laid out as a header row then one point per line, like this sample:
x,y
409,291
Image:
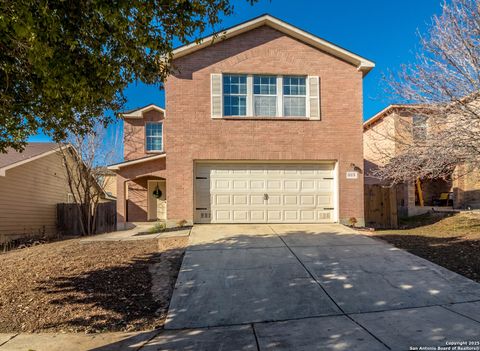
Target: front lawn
x,y
70,286
451,241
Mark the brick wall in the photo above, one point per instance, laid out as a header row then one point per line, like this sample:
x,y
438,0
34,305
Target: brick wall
x,y
135,190
191,134
134,134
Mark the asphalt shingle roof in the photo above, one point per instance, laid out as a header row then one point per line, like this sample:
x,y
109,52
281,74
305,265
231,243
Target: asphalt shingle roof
x,y
31,150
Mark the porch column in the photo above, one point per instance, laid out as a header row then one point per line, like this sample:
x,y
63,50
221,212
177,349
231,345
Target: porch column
x,y
121,202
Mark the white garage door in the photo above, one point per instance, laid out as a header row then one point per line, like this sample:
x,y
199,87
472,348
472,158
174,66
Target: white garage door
x,y
264,193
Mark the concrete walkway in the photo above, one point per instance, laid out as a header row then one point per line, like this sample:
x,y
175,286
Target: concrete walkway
x,y
138,232
296,287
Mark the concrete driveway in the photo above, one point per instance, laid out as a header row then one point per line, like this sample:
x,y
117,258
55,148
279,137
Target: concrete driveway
x,y
312,287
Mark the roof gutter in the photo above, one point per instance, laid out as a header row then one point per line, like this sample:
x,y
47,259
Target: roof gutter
x,y
118,166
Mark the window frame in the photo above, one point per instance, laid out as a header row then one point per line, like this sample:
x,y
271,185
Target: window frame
x,y
280,97
247,84
254,95
147,137
305,96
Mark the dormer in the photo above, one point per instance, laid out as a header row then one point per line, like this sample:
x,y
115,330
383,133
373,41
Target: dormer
x,y
143,131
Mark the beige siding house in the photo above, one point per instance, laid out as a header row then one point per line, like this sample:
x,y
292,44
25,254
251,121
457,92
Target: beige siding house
x,y
383,138
31,184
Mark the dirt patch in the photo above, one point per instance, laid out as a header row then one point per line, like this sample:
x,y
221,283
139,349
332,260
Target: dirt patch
x,y
70,286
452,242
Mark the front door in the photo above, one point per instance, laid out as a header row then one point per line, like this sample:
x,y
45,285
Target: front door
x,y
156,198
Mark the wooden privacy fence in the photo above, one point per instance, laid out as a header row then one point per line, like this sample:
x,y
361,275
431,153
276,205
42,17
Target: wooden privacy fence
x,y
380,207
68,218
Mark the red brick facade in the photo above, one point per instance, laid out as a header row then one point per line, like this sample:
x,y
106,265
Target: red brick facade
x,y
134,134
190,134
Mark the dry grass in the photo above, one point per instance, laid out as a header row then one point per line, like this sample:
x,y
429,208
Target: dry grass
x,y
450,241
70,286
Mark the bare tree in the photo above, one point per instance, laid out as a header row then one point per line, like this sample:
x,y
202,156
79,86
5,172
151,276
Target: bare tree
x,y
85,158
444,81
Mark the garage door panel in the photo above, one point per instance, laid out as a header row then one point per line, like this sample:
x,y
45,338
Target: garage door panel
x,y
222,215
291,185
324,215
274,215
307,215
274,200
274,185
257,216
257,200
221,199
222,184
325,184
325,200
307,200
240,184
257,185
291,216
235,193
290,200
240,199
307,185
240,215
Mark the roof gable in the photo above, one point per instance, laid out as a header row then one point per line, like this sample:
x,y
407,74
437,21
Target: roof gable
x,y
364,65
379,116
32,151
138,112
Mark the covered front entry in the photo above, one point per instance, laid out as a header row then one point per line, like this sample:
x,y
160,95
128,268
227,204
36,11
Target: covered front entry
x,y
265,192
156,199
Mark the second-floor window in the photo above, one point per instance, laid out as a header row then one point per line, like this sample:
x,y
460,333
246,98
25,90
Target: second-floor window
x,y
154,137
419,128
266,96
294,96
235,95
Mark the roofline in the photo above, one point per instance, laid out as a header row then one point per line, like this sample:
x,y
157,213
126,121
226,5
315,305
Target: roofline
x,y
4,169
386,111
138,113
364,65
117,166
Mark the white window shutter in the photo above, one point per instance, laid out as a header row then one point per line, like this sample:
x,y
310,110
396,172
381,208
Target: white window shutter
x,y
314,97
216,90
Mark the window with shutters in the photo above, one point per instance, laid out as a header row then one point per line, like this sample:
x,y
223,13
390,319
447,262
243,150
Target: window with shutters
x,y
265,95
294,96
234,95
246,95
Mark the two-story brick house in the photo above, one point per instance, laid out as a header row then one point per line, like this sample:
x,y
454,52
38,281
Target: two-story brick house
x,y
263,124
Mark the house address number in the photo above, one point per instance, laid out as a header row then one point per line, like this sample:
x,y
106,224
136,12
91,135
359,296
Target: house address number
x,y
352,175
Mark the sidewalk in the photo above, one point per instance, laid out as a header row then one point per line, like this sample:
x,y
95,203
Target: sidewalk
x,y
75,342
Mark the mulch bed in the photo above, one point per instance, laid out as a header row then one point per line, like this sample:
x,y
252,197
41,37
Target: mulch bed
x,y
452,241
70,286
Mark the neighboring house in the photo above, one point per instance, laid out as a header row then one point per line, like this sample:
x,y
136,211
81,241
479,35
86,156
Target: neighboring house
x,y
264,125
383,138
108,180
31,184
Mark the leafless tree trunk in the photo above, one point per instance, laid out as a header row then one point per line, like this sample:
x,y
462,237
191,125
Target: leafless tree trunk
x,y
445,82
85,159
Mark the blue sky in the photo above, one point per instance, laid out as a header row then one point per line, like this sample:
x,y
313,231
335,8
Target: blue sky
x,y
383,31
